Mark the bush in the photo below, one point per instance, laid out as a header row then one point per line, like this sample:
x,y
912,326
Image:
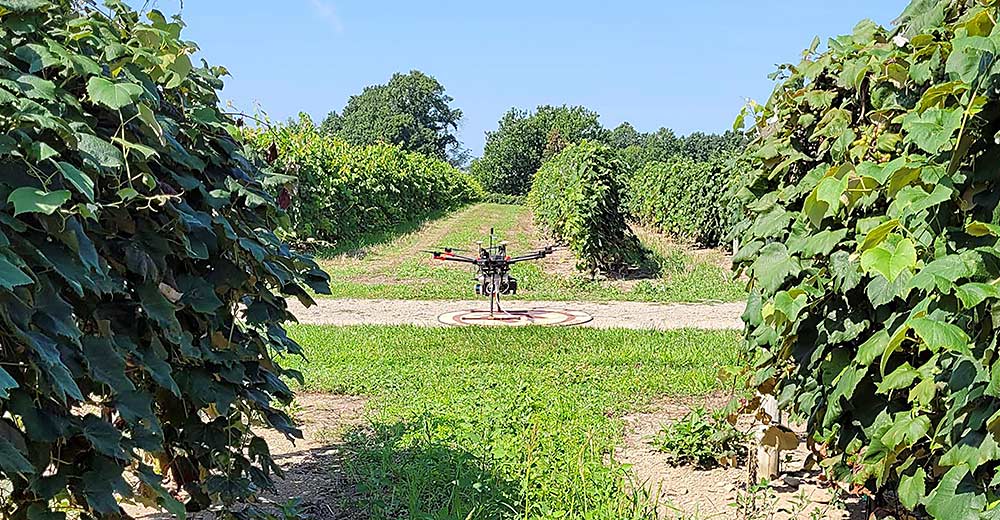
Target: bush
x,y
873,255
688,199
344,191
577,197
140,281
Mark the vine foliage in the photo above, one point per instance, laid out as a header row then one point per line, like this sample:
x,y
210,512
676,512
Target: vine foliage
x,y
872,251
577,196
141,282
689,199
343,190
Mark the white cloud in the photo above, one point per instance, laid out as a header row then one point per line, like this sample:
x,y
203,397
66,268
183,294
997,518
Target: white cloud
x,y
326,10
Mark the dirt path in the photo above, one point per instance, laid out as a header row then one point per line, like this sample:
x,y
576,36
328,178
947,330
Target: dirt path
x,y
627,315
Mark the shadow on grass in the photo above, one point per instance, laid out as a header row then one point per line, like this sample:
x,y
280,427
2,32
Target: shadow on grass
x,y
400,471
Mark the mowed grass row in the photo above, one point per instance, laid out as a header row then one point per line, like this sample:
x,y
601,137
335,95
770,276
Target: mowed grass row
x,y
512,423
394,268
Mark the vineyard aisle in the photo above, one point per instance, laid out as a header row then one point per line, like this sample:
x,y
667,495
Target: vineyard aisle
x,y
607,315
396,266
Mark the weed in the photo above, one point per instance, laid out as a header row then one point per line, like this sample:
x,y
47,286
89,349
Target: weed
x,y
758,502
702,438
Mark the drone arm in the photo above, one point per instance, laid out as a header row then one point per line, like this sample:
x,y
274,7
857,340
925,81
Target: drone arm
x,y
531,256
455,258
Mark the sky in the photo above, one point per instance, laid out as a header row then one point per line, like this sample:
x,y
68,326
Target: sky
x,y
685,65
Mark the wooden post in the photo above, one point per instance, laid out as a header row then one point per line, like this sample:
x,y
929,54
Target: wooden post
x,y
768,457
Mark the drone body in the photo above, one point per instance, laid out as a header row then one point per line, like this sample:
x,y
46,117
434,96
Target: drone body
x,y
493,265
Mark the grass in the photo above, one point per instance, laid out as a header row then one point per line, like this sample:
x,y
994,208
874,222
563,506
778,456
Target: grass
x,y
479,423
382,267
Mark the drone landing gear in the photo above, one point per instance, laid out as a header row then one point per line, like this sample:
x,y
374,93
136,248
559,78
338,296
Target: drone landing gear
x,y
498,314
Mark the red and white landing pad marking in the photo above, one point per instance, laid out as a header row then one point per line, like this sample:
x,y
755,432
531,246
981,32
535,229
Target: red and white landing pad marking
x,y
517,318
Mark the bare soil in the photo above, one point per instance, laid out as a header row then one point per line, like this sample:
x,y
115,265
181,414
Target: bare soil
x,y
607,315
692,493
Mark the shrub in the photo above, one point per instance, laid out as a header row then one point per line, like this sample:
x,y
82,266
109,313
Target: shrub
x,y
140,281
577,197
872,254
344,191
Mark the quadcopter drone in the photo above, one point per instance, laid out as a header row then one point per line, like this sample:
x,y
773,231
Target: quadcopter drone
x,y
492,266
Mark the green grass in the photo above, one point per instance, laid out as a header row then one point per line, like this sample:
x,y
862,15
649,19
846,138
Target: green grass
x,y
518,423
396,269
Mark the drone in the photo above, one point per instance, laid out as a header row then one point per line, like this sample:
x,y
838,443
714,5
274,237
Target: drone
x,y
492,266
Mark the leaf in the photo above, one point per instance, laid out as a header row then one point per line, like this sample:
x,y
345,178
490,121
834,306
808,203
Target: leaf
x,y
53,366
878,234
943,273
972,294
36,56
822,243
33,200
22,6
830,190
788,306
148,118
11,276
932,130
872,348
12,461
81,181
103,436
939,335
902,377
160,310
41,151
956,496
912,488
906,430
111,94
100,151
982,229
773,266
966,58
6,383
890,261
105,364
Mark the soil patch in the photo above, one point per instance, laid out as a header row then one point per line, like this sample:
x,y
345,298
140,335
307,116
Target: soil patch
x,y
688,492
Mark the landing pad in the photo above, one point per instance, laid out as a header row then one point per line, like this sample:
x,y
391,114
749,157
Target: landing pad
x,y
516,318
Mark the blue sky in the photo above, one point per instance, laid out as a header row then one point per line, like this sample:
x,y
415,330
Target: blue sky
x,y
684,65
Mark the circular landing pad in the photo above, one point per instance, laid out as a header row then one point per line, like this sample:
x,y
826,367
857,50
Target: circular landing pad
x,y
517,318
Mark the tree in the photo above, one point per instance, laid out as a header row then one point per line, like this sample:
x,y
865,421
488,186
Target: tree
x,y
524,140
411,111
624,136
512,154
332,124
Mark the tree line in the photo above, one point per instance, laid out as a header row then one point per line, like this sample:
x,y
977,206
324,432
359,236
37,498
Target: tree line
x,y
413,111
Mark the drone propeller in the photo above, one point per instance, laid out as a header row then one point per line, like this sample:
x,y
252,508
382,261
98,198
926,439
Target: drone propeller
x,y
445,250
